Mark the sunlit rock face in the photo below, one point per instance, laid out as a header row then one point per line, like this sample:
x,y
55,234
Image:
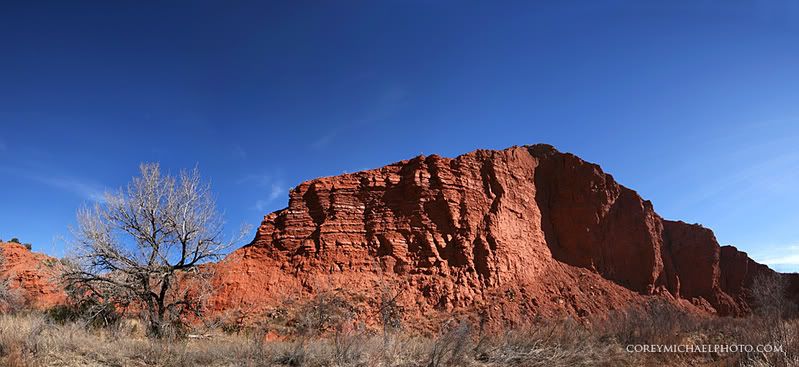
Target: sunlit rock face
x,y
33,278
504,236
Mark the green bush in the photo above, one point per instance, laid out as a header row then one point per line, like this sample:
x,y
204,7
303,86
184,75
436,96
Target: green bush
x,y
14,240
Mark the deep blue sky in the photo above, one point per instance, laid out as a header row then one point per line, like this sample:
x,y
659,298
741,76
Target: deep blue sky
x,y
693,104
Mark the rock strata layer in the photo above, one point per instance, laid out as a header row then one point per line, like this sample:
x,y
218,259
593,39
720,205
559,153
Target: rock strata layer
x,y
508,235
31,278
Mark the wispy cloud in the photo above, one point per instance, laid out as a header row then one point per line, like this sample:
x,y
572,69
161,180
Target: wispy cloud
x,y
239,152
388,102
47,176
83,188
275,192
260,205
260,180
780,258
323,141
86,189
383,106
272,184
772,174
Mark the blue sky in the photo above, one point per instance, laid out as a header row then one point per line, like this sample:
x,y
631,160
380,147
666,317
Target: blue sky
x,y
693,104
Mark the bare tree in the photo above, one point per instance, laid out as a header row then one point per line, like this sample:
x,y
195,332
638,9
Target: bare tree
x,y
769,292
140,241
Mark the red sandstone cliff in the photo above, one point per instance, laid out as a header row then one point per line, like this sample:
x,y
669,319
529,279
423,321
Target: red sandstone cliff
x,y
31,276
511,234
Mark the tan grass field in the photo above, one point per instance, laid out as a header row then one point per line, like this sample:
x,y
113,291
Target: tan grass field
x,y
35,339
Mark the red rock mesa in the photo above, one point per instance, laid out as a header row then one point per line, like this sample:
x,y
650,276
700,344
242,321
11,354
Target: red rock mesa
x,y
509,235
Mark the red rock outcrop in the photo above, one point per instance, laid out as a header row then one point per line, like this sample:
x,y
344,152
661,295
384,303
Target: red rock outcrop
x,y
511,234
31,276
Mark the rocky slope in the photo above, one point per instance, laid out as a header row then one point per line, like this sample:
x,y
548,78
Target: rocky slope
x,y
508,235
32,278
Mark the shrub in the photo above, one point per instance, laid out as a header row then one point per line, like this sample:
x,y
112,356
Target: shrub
x,y
93,315
325,312
14,240
87,309
658,322
390,313
450,348
769,293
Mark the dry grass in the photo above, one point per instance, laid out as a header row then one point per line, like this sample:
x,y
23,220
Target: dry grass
x,y
36,340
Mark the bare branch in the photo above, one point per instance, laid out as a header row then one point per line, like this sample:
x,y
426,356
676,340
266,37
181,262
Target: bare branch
x,y
142,241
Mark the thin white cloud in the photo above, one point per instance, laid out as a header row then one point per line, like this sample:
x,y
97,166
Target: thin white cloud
x,y
323,141
781,258
767,157
787,259
85,189
276,190
274,186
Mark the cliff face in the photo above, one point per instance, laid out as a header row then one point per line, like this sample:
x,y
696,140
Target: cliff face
x,y
31,277
511,234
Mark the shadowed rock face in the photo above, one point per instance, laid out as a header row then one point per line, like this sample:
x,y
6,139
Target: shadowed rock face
x,y
509,235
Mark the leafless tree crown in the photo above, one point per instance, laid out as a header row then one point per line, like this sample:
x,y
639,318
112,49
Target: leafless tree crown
x,y
769,293
134,244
